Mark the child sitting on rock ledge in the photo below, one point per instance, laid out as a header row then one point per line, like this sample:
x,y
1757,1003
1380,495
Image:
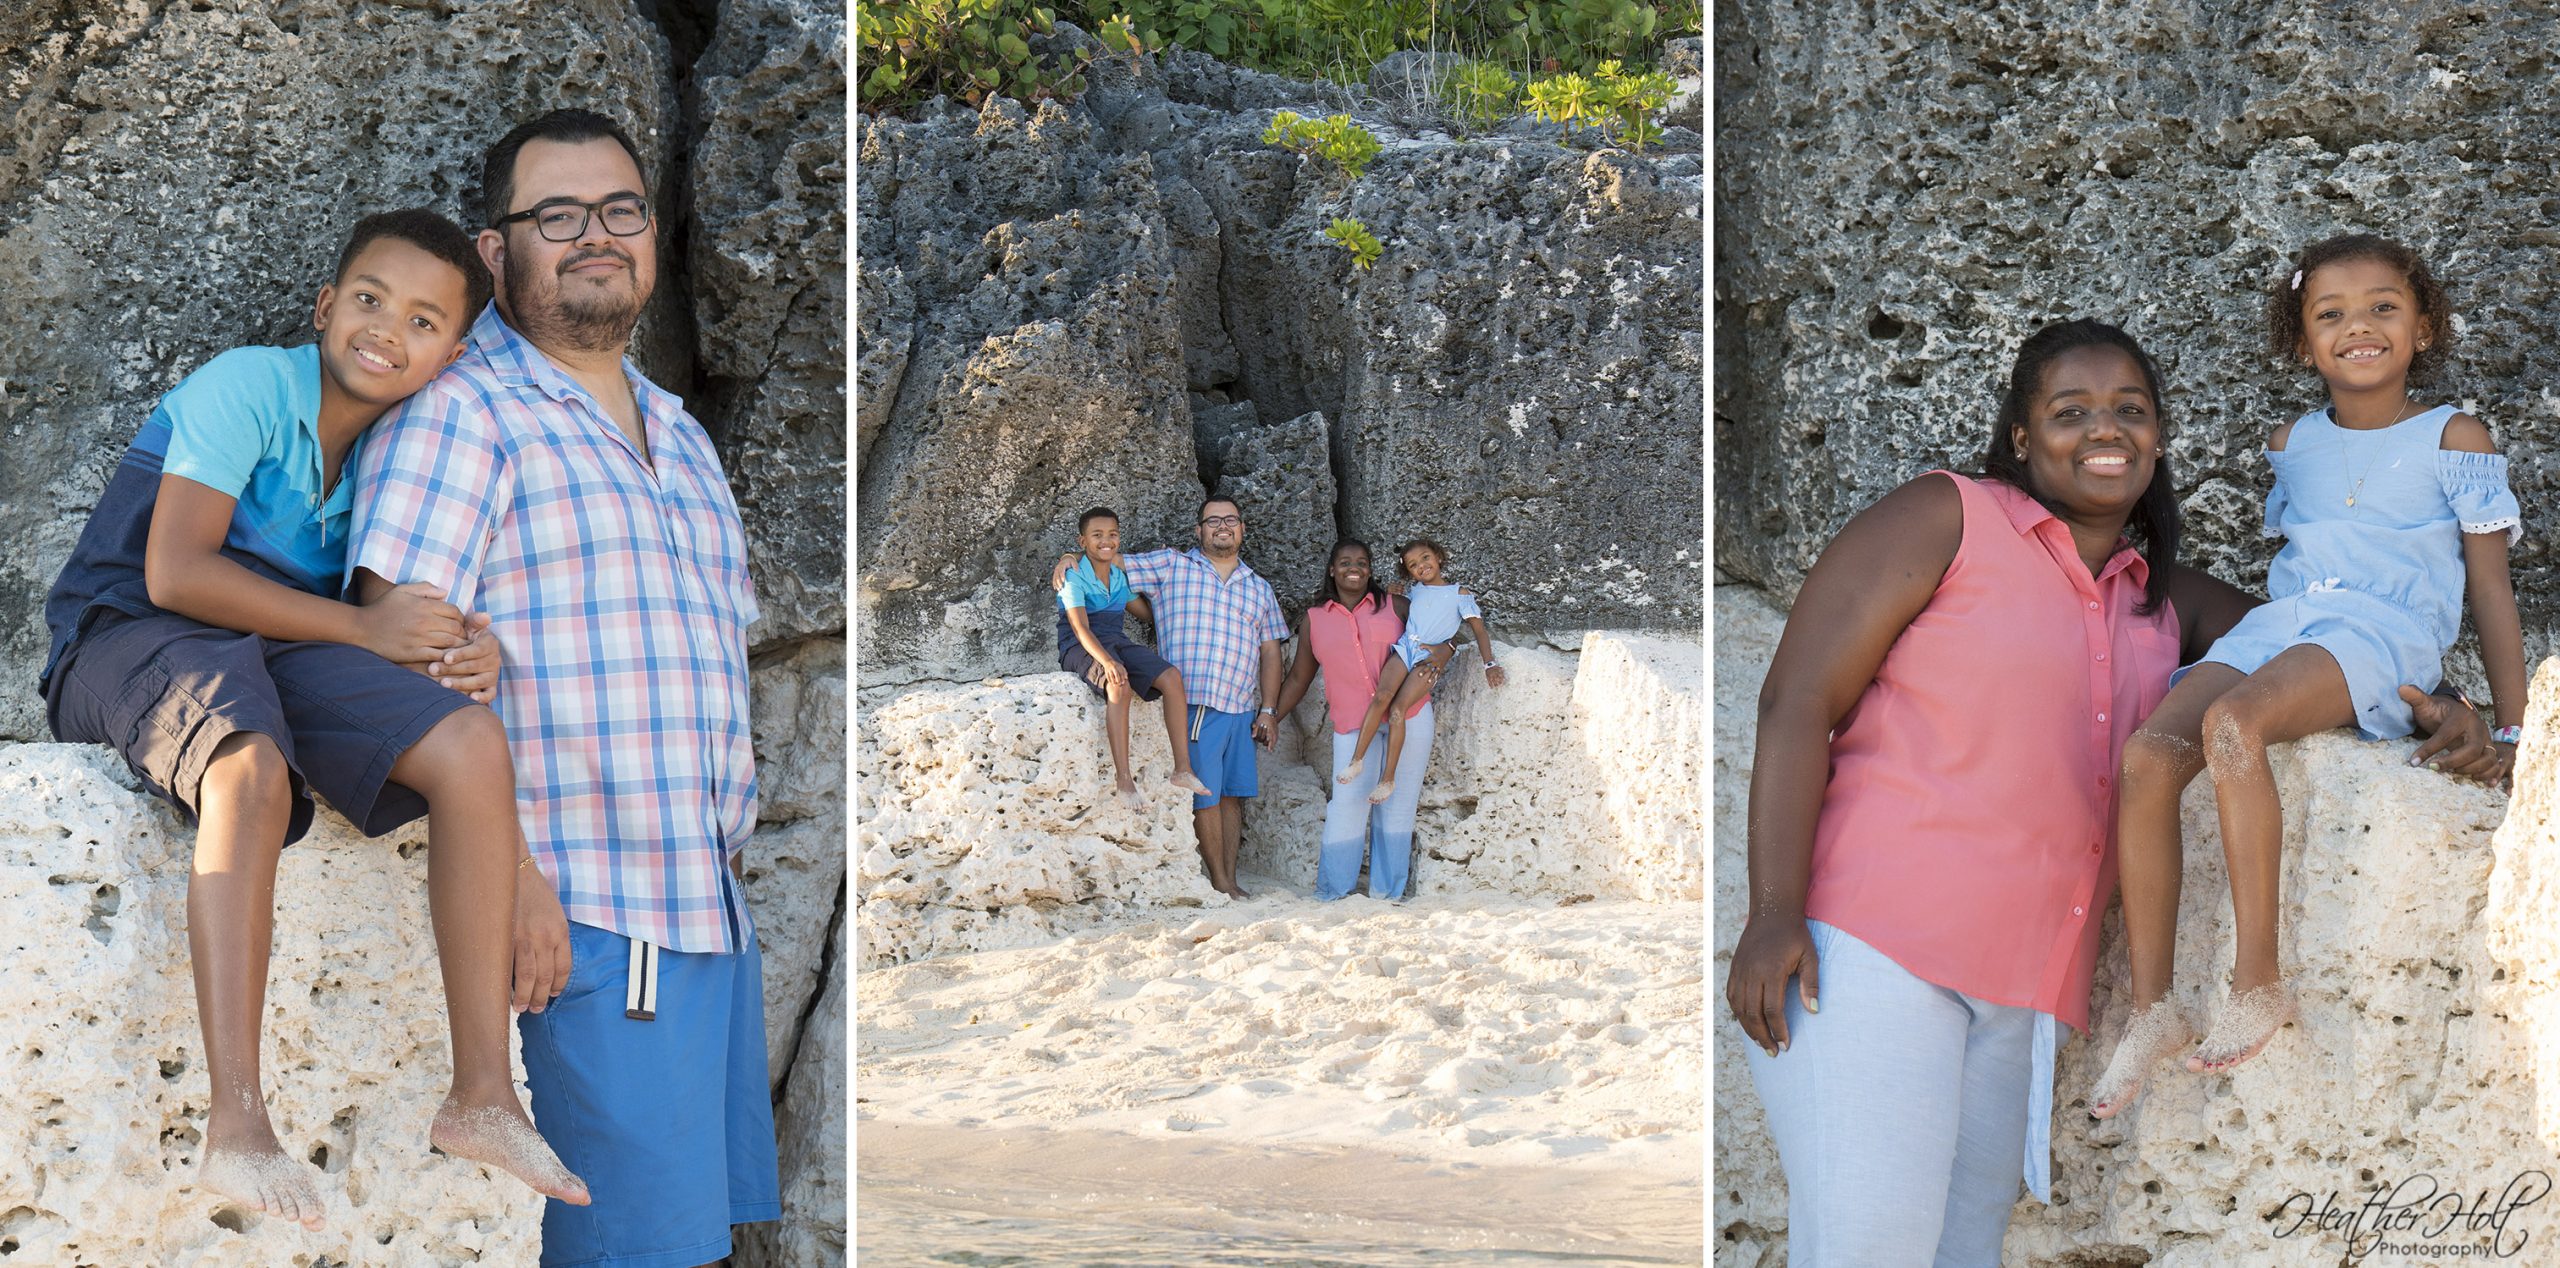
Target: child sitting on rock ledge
x,y
1091,645
1437,611
196,629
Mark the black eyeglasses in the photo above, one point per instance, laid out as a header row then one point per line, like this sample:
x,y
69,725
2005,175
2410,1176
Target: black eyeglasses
x,y
566,220
1214,520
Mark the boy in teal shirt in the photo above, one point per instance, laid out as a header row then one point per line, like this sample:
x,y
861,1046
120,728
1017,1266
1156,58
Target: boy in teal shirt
x,y
196,629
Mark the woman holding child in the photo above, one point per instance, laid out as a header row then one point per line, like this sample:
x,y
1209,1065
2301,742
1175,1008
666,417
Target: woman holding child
x,y
1933,801
1349,630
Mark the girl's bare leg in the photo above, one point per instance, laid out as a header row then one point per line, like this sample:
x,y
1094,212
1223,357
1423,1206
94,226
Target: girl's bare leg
x,y
1391,678
243,807
1116,725
2299,692
2160,760
474,841
1177,709
1407,694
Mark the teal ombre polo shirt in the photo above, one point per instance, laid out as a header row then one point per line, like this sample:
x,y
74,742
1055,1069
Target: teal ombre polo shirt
x,y
248,425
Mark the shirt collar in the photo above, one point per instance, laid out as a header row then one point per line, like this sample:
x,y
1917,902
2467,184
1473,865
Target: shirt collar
x,y
1243,569
517,363
306,388
2029,516
1368,602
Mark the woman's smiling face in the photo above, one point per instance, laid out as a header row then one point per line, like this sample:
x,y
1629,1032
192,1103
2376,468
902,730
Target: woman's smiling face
x,y
1350,570
2093,432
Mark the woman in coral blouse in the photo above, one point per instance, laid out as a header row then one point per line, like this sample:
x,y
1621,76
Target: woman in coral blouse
x,y
1932,806
1348,631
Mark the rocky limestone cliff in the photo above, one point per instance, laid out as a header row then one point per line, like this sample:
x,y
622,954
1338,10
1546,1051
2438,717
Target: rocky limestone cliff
x,y
988,819
2419,929
175,180
1904,192
1128,300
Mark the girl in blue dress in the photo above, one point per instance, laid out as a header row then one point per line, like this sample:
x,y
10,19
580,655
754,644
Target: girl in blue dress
x,y
2391,510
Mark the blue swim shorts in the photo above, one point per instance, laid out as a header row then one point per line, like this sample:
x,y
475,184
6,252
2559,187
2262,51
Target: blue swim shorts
x,y
1222,755
670,1121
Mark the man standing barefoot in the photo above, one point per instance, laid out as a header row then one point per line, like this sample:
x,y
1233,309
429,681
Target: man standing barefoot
x,y
543,480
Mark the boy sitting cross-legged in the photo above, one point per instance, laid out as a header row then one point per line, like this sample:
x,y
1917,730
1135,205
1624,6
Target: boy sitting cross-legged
x,y
196,630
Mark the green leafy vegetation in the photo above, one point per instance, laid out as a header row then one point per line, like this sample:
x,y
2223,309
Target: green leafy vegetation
x,y
912,50
1620,105
1341,39
1480,94
1335,139
1355,238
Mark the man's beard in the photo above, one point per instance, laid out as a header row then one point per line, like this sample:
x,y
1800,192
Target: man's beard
x,y
589,318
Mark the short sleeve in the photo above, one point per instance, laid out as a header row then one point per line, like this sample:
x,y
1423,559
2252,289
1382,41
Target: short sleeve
x,y
1467,609
431,485
1078,592
1275,627
2278,501
1148,569
2476,486
222,419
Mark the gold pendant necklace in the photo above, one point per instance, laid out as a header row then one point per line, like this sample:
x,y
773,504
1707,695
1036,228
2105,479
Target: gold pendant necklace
x,y
2358,487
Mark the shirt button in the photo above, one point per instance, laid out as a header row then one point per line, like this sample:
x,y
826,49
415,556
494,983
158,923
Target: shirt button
x,y
2102,781
2102,717
2093,847
2102,655
2093,605
2079,911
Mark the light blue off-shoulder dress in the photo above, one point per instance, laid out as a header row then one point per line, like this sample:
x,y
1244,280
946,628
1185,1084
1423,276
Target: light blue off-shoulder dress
x,y
2371,568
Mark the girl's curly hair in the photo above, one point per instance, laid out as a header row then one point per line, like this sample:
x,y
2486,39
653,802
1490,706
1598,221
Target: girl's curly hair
x,y
2284,302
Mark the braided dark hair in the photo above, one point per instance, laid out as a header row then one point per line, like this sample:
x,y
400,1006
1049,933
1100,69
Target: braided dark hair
x,y
2153,526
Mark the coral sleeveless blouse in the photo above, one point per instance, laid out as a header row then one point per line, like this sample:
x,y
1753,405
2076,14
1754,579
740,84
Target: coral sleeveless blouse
x,y
1968,828
1350,646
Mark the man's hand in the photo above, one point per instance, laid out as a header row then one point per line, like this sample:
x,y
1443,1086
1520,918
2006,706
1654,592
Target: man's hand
x,y
473,667
542,942
1058,575
2457,740
1264,731
410,624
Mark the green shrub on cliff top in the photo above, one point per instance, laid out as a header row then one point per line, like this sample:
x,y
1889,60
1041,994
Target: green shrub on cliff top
x,y
1335,139
915,49
1619,104
1342,39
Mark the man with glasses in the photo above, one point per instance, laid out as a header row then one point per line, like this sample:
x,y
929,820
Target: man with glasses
x,y
1217,621
543,480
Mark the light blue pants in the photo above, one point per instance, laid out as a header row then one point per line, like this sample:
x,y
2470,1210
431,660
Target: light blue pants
x,y
1901,1113
1387,828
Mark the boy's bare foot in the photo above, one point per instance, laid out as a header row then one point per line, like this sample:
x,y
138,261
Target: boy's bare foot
x,y
2155,1032
1130,797
262,1179
1386,788
1349,773
1234,890
500,1135
2249,1019
1190,783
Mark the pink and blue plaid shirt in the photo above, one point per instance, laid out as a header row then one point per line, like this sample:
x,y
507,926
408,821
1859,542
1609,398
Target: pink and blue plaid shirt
x,y
619,590
1211,628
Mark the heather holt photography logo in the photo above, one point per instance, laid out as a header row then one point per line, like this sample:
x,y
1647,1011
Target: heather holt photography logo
x,y
2420,1217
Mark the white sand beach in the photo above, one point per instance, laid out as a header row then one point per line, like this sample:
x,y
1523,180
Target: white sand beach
x,y
1526,1072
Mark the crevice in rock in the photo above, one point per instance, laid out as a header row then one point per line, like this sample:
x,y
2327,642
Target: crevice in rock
x,y
688,26
827,958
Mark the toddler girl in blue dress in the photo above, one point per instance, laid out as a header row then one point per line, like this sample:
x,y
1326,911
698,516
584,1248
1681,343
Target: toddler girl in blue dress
x,y
1435,612
2391,509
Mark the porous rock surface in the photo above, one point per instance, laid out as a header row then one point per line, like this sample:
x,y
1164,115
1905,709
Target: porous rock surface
x,y
1048,300
100,1051
2417,930
988,818
1579,776
1905,192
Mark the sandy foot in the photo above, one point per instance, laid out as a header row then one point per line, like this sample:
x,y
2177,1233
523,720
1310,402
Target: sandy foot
x,y
1350,772
2154,1033
501,1137
2249,1019
1386,788
262,1180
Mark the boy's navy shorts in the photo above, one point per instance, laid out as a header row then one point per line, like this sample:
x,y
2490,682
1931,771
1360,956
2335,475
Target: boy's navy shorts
x,y
1140,660
164,690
